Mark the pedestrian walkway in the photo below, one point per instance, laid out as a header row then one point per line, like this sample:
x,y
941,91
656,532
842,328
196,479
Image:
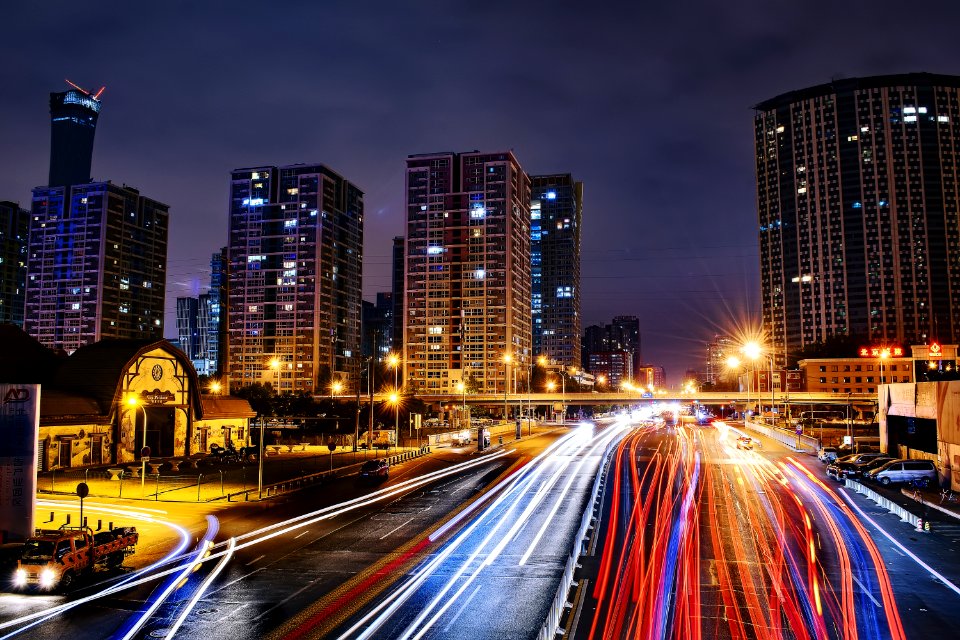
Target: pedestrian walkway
x,y
207,478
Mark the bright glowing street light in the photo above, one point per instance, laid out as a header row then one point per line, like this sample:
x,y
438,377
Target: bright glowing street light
x,y
215,388
393,360
336,387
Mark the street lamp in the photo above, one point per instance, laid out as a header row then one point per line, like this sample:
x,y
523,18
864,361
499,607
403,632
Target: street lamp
x,y
507,359
134,402
275,365
215,388
753,351
393,360
884,354
733,362
394,399
551,386
336,388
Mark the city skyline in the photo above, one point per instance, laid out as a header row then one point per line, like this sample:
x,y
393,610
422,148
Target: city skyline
x,y
651,110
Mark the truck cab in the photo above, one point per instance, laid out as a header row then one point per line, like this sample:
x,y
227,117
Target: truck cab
x,y
53,558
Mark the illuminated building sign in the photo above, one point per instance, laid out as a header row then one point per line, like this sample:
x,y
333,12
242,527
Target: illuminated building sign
x,y
934,352
75,97
877,352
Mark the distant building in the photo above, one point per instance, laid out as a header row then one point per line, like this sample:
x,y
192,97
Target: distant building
x,y
556,211
650,375
378,327
200,322
96,265
294,277
857,184
614,366
397,291
467,271
623,336
718,351
14,233
73,120
853,375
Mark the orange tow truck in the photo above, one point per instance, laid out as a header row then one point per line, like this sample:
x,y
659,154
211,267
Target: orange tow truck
x,y
53,558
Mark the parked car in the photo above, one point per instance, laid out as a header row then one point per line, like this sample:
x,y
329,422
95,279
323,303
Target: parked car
x,y
744,442
903,471
840,469
827,454
375,470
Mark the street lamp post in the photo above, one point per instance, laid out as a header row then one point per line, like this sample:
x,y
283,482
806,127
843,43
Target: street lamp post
x,y
551,386
394,361
507,359
133,402
733,362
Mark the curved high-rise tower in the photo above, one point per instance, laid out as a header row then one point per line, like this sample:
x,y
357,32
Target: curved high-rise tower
x,y
73,123
857,199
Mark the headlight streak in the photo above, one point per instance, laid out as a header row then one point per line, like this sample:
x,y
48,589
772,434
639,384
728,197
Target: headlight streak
x,y
167,590
202,589
144,575
202,552
370,622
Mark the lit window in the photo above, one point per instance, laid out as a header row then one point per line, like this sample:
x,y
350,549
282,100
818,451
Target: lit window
x,y
802,190
943,119
479,274
907,110
551,195
909,118
921,110
852,138
435,331
780,129
252,308
255,176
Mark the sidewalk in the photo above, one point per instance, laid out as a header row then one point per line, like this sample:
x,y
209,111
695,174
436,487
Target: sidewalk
x,y
215,480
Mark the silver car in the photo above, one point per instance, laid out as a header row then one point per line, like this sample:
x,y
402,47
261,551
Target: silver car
x,y
904,471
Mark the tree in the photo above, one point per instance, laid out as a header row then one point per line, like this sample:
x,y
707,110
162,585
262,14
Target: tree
x,y
260,397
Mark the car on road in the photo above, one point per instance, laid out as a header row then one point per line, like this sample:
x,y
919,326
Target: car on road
x,y
904,471
827,454
744,442
375,470
840,469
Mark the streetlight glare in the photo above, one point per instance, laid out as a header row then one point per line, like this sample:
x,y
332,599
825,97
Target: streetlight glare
x,y
393,360
508,358
215,387
752,350
132,401
274,364
733,362
394,398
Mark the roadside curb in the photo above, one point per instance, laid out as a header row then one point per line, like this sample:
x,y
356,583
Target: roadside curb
x,y
886,503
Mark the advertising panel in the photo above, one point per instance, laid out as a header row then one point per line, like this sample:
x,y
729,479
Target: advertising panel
x,y
19,431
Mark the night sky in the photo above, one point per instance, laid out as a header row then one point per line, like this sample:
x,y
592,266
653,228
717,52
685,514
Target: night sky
x,y
649,104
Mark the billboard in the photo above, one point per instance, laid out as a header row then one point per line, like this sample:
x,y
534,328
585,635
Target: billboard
x,y
19,431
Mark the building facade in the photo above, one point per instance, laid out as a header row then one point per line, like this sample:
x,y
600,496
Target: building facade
x,y
96,265
467,271
556,213
396,292
621,337
73,124
14,233
200,321
857,207
721,348
294,277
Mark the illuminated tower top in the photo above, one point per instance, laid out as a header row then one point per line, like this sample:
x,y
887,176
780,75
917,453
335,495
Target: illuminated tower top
x,y
73,120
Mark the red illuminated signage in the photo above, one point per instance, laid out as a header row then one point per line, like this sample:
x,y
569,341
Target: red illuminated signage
x,y
877,352
934,352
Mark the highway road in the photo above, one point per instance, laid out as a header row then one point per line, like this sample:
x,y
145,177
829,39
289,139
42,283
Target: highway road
x,y
701,539
303,565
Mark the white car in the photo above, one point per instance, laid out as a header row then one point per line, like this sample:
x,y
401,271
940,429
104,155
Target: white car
x,y
827,454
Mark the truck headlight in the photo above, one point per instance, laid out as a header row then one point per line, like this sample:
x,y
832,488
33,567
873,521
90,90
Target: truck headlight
x,y
20,578
47,578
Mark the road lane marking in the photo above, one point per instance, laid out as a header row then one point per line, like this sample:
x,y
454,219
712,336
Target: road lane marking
x,y
913,557
286,600
219,620
233,582
462,608
397,528
864,588
300,535
257,559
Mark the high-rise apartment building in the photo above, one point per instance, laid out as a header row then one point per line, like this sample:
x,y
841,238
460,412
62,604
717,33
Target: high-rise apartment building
x,y
857,186
188,328
556,211
467,272
96,265
14,233
294,281
73,116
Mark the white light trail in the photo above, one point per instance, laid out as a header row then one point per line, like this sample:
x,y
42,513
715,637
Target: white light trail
x,y
231,543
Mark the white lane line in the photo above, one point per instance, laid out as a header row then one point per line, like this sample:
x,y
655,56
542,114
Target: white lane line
x,y
286,600
462,608
257,559
864,589
902,548
396,529
219,620
233,582
300,535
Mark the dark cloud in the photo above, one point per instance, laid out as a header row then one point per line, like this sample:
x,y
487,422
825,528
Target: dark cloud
x,y
648,103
